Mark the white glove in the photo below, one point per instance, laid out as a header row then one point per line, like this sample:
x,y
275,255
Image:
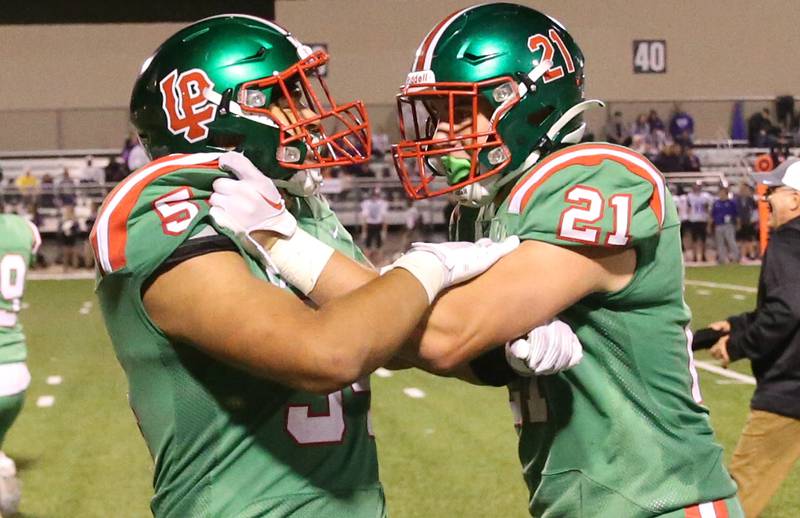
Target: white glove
x,y
439,266
253,203
547,349
250,203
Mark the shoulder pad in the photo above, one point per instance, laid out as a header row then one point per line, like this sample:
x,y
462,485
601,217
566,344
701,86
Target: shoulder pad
x,y
152,211
590,194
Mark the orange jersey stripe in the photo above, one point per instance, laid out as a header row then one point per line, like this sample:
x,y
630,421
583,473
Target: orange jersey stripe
x,y
117,233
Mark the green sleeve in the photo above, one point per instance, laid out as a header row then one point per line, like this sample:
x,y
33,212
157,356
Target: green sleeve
x,y
599,205
152,222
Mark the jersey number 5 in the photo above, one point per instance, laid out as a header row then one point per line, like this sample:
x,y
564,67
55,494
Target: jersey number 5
x,y
587,207
176,210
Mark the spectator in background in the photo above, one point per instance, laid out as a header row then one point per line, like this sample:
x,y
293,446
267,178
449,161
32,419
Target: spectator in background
x,y
69,231
656,141
759,129
640,131
137,157
655,122
682,204
65,190
127,146
374,227
617,131
670,159
748,215
769,337
699,203
689,161
380,143
93,173
724,218
28,186
47,198
681,127
116,170
640,126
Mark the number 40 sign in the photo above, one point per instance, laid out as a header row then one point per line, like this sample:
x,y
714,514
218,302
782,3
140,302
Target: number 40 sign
x,y
649,56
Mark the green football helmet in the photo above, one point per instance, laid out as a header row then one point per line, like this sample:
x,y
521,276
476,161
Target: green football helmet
x,y
507,60
215,86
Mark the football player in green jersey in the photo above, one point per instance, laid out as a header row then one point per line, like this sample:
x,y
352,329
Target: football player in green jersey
x,y
19,241
493,105
251,401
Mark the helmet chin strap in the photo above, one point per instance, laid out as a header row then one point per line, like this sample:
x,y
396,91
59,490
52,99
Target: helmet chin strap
x,y
482,193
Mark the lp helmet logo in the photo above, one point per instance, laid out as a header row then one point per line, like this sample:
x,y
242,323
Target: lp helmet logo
x,y
187,110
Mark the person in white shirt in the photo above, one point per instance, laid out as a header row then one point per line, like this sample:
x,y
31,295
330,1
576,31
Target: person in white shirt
x,y
373,224
682,204
699,203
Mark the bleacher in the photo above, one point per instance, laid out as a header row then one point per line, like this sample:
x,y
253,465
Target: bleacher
x,y
722,164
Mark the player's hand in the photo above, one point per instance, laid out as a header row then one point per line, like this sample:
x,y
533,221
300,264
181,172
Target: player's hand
x,y
251,203
547,349
720,350
721,325
441,265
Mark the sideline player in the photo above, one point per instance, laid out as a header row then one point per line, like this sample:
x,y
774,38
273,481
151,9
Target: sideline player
x,y
19,242
247,397
494,105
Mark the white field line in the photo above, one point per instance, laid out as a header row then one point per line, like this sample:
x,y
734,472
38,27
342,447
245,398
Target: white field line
x,y
710,367
414,393
45,401
721,286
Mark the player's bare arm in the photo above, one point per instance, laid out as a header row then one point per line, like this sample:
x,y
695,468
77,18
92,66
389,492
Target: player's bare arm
x,y
294,343
472,318
315,350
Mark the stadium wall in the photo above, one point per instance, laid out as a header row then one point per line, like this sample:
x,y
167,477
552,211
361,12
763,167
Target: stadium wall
x,y
67,86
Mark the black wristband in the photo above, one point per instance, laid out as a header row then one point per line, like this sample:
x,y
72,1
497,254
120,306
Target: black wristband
x,y
492,368
705,338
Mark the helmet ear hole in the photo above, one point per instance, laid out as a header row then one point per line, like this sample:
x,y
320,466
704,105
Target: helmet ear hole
x,y
536,118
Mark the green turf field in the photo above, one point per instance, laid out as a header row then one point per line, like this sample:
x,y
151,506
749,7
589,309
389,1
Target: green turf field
x,y
449,453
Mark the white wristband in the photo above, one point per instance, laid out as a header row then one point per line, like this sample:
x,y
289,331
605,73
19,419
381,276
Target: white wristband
x,y
426,267
300,259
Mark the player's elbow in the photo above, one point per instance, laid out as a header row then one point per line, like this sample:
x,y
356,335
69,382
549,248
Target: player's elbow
x,y
330,368
442,353
341,370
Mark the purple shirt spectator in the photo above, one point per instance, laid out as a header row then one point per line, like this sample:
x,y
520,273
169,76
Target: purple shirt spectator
x,y
681,127
724,212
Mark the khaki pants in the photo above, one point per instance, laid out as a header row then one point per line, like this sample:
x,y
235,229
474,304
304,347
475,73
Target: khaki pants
x,y
767,450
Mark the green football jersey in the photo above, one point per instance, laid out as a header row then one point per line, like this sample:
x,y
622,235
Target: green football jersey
x,y
225,443
19,241
623,434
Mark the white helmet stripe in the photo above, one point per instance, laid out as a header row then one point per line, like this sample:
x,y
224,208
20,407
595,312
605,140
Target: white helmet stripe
x,y
424,55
